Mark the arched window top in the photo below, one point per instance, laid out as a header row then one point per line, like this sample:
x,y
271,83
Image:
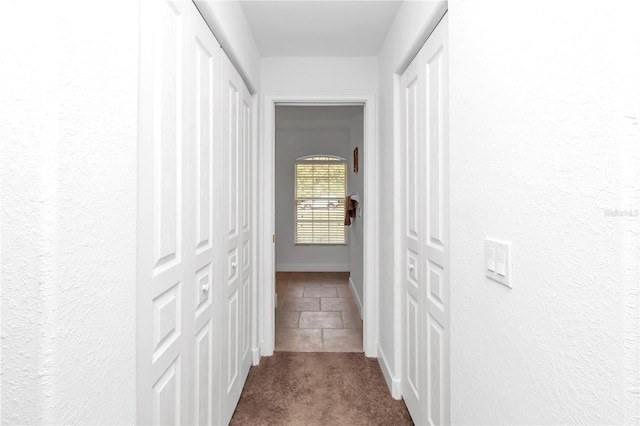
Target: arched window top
x,y
321,159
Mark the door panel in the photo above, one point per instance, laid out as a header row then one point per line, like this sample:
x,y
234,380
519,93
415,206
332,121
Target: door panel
x,y
435,374
167,396
233,147
203,396
167,320
205,74
168,136
412,153
436,246
164,263
413,355
246,221
247,159
178,253
206,64
426,237
412,237
236,145
245,324
232,343
195,263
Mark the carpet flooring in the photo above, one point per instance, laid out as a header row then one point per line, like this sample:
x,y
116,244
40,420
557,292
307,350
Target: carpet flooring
x,y
295,388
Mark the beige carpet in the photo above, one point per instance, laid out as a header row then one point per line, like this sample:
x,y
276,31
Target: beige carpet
x,y
295,388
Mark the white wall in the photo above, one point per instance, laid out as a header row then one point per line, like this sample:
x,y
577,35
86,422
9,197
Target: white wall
x,y
68,171
319,76
544,140
412,24
230,27
356,230
291,144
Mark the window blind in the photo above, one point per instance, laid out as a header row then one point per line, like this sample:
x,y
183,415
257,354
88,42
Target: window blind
x,y
321,186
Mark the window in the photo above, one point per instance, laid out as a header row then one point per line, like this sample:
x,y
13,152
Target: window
x,y
321,185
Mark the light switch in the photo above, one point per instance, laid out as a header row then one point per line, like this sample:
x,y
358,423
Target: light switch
x,y
498,261
491,264
501,263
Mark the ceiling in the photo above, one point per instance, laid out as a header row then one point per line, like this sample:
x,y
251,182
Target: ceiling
x,y
319,28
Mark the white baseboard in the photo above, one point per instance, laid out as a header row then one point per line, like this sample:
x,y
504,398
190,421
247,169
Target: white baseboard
x,y
393,383
263,349
312,267
255,355
355,297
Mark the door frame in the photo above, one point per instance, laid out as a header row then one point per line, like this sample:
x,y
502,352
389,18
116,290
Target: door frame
x,y
266,226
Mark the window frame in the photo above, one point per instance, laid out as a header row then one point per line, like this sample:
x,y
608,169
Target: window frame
x,y
323,159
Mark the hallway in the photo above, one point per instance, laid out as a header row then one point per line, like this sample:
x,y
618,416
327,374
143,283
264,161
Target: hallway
x,y
318,373
498,273
318,389
316,313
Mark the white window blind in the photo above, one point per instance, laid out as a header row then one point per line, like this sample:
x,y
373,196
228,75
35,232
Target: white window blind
x,y
321,186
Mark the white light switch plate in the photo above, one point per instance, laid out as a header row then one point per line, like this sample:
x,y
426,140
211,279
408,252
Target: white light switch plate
x,y
490,257
498,262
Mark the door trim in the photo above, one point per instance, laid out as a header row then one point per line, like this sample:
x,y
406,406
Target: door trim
x,y
266,188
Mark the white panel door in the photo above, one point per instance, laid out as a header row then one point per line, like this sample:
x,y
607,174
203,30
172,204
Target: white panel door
x,y
434,59
179,237
165,237
247,230
195,266
425,373
205,75
236,152
412,391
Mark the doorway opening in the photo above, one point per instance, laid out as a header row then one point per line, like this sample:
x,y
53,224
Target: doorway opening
x,y
322,271
318,227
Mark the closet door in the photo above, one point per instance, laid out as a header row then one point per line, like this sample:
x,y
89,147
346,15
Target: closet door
x,y
236,139
247,231
204,190
412,274
195,266
434,58
425,371
165,230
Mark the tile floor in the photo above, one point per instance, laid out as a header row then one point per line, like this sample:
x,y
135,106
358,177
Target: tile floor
x,y
316,313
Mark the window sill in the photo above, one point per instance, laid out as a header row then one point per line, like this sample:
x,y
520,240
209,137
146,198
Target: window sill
x,y
320,244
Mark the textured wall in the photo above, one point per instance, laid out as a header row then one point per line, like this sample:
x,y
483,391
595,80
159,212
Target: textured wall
x,y
68,213
544,141
27,131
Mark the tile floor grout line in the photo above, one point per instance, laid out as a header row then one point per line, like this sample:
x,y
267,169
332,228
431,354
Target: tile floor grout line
x,y
320,289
